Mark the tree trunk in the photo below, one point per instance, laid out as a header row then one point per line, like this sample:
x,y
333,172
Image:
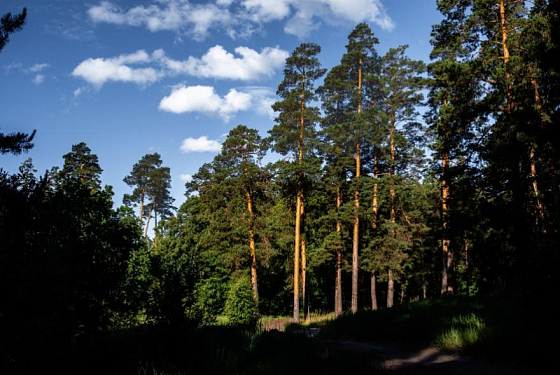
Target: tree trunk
x,y
338,281
373,290
540,207
155,226
374,207
142,205
297,253
446,286
299,203
252,250
355,237
390,289
392,193
374,203
148,223
304,279
356,232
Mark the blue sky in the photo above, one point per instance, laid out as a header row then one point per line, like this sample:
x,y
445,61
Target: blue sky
x,y
170,76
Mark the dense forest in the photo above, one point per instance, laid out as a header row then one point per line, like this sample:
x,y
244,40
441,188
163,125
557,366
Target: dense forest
x,y
394,181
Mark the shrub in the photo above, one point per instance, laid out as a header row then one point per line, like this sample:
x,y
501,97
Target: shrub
x,y
241,308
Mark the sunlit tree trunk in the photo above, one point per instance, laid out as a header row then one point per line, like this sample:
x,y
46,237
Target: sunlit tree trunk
x,y
252,250
303,278
338,282
299,204
147,223
356,232
393,214
373,290
155,226
374,208
142,204
532,158
446,286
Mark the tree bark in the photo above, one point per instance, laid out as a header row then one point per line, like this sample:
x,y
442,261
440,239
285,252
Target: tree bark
x,y
374,207
540,207
393,214
155,226
252,249
446,286
390,289
338,281
373,290
299,204
356,232
142,204
148,223
303,278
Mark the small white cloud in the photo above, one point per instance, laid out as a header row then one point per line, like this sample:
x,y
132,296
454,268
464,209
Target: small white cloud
x,y
218,63
201,144
185,177
204,99
38,67
99,71
38,79
81,90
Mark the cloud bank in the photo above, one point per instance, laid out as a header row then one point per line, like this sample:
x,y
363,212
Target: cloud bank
x,y
142,68
236,17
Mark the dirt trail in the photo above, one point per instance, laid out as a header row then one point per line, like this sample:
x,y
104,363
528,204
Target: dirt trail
x,y
409,360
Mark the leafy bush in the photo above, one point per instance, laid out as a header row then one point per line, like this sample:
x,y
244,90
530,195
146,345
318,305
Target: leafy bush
x,y
241,308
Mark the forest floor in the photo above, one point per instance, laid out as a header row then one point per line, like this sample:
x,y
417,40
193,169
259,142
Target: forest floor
x,y
401,358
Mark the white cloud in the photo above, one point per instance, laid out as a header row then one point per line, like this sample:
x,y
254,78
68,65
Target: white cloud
x,y
215,63
81,90
99,71
263,99
177,15
185,177
218,63
201,144
236,17
267,10
203,99
38,67
38,79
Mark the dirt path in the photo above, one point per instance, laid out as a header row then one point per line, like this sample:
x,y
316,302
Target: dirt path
x,y
409,360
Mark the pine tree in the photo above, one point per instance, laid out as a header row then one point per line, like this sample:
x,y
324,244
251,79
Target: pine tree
x,y
401,85
241,154
81,166
151,184
10,24
295,126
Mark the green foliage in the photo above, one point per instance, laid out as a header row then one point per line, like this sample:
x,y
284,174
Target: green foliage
x,y
16,143
62,262
10,24
240,307
211,295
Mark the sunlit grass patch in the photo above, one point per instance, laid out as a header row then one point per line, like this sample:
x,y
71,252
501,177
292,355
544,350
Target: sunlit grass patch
x,y
465,330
